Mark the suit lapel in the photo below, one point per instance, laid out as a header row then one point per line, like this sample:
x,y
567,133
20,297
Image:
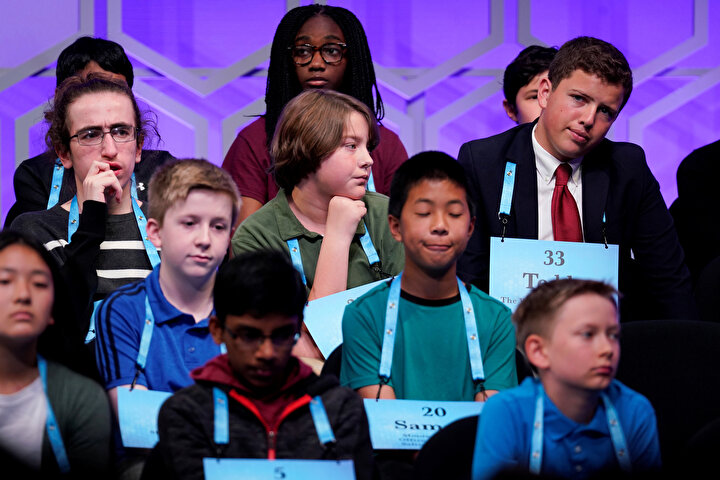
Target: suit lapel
x,y
525,206
596,182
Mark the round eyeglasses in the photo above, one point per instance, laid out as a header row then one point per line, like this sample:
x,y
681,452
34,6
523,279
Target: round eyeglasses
x,y
94,136
251,338
331,53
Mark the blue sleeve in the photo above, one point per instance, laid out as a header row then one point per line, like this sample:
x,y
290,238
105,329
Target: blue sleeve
x,y
118,340
362,345
499,439
643,440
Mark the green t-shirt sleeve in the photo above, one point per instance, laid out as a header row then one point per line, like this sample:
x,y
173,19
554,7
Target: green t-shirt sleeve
x,y
362,344
499,357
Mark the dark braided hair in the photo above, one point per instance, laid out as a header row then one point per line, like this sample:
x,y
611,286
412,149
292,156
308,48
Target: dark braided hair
x,y
282,82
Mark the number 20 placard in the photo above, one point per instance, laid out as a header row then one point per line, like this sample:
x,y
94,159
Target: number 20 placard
x,y
519,265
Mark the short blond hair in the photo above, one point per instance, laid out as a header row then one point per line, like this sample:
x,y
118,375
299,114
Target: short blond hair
x,y
537,312
174,181
310,128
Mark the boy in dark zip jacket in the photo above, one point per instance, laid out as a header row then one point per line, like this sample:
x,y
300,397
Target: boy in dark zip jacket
x,y
259,299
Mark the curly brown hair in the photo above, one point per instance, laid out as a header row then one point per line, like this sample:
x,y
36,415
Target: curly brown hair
x,y
58,135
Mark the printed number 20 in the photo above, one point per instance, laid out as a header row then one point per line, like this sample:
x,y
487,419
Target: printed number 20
x,y
559,261
429,412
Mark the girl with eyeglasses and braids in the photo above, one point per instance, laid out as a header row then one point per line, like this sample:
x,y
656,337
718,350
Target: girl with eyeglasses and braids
x,y
315,47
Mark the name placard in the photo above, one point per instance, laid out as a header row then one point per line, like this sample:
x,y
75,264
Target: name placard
x,y
261,469
323,317
408,424
519,265
137,414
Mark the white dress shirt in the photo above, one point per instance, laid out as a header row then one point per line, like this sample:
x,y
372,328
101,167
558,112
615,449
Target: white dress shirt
x,y
546,165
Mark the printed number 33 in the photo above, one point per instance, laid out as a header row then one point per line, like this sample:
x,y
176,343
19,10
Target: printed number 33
x,y
558,261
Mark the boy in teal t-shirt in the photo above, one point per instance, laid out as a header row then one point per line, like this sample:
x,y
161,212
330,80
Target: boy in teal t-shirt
x,y
439,320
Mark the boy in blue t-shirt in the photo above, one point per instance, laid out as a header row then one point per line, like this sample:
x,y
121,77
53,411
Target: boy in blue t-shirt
x,y
441,340
576,420
151,333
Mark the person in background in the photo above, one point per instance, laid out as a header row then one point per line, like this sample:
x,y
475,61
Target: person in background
x,y
315,47
521,82
41,182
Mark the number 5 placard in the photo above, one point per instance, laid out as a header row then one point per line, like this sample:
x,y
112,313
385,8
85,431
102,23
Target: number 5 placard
x,y
519,265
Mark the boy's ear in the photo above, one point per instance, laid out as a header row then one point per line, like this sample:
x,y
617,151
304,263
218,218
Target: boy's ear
x,y
471,229
138,153
395,230
544,92
536,352
216,329
510,110
64,157
153,232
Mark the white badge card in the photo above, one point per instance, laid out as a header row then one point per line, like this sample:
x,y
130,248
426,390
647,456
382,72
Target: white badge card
x,y
518,265
261,469
323,317
408,424
137,414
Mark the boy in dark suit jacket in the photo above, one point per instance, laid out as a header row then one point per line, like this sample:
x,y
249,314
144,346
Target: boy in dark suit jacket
x,y
572,184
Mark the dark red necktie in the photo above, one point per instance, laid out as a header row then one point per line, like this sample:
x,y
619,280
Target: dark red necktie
x,y
565,216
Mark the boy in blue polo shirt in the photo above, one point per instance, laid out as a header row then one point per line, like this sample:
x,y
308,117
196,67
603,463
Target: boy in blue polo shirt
x,y
576,420
443,340
153,332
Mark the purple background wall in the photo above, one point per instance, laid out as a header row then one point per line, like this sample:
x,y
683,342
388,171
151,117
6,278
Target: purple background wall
x,y
200,65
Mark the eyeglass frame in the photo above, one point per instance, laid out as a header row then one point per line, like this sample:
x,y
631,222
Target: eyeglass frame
x,y
102,137
316,49
254,345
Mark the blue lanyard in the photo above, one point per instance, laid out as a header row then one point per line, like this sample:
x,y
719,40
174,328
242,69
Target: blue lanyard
x,y
507,190
51,425
616,434
391,317
221,421
365,241
55,184
150,250
145,338
507,196
370,183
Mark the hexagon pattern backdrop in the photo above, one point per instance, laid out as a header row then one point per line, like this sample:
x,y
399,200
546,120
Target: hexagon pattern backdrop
x,y
201,67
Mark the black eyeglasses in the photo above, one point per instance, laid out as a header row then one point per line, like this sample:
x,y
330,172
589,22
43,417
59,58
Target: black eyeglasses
x,y
331,53
252,338
94,136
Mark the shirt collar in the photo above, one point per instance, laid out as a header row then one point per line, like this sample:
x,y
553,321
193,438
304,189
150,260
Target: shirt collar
x,y
164,311
557,426
290,227
546,164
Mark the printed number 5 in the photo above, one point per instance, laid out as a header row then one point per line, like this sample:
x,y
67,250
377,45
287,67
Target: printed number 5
x,y
559,261
279,474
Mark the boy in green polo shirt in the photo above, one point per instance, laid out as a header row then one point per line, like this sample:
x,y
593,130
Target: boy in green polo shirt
x,y
450,341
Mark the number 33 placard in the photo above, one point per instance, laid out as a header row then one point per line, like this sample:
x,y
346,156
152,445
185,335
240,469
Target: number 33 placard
x,y
519,265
